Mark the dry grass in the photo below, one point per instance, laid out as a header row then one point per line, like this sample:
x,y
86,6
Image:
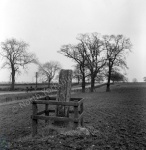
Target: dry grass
x,y
118,117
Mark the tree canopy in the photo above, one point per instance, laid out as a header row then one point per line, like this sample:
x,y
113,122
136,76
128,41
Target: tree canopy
x,y
116,46
99,55
48,70
15,54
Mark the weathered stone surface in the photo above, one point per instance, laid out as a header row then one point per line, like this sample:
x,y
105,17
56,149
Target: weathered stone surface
x,y
64,91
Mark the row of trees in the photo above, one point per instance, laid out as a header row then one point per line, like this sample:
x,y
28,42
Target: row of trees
x,y
97,55
116,76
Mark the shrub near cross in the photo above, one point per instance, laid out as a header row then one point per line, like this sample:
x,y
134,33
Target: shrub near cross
x,y
63,103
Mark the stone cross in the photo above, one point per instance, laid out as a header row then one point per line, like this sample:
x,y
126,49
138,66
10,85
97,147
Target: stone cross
x,y
64,92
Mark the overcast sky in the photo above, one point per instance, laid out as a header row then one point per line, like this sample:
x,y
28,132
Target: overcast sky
x,y
48,24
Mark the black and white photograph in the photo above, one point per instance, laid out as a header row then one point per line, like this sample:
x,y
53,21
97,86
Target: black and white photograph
x,y
72,75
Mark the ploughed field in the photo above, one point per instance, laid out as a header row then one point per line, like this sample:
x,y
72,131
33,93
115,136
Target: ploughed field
x,y
116,120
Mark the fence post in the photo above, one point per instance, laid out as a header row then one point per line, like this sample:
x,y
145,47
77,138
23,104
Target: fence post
x,y
47,110
34,121
76,114
82,109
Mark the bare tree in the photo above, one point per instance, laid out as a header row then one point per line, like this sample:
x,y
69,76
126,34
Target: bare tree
x,y
76,53
94,53
15,55
116,49
48,70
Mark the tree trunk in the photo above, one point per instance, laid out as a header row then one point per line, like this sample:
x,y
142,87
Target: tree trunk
x,y
108,87
13,79
92,83
49,81
109,78
83,83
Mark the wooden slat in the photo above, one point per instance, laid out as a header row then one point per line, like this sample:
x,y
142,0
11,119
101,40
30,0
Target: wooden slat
x,y
41,112
34,121
76,113
54,98
81,101
47,109
53,111
81,116
82,112
55,103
